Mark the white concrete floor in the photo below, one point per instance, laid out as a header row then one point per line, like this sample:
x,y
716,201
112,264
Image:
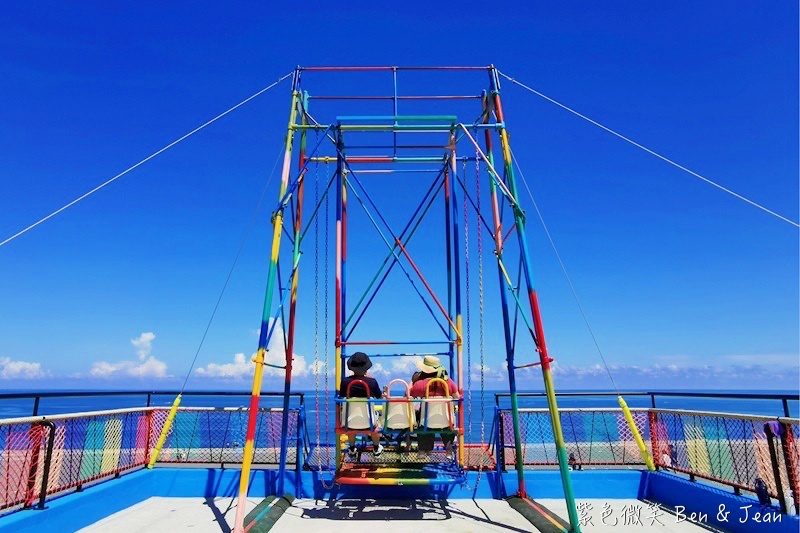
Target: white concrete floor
x,y
157,515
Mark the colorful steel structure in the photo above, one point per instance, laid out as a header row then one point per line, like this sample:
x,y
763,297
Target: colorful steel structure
x,y
357,146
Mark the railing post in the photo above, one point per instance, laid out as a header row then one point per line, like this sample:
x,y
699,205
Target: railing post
x,y
769,429
36,407
35,436
652,419
789,459
501,439
48,456
149,439
298,468
499,451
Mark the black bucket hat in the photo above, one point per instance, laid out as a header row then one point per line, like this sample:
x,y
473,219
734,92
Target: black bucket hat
x,y
359,361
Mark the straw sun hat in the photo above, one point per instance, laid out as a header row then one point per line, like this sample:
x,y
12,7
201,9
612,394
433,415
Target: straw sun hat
x,y
429,364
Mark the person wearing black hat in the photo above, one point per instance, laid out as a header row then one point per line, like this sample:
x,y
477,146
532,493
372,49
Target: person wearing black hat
x,y
359,363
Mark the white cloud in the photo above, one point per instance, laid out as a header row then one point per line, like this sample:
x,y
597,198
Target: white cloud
x,y
318,367
146,366
671,375
239,369
489,373
777,360
405,366
10,369
149,368
276,355
144,344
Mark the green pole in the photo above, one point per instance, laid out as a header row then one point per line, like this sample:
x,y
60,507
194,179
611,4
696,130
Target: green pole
x,y
561,451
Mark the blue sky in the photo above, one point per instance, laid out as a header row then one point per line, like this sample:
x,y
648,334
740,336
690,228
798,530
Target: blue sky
x,y
683,285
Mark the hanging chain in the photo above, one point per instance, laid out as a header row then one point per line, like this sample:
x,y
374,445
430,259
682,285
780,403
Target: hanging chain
x,y
480,301
468,317
316,315
326,303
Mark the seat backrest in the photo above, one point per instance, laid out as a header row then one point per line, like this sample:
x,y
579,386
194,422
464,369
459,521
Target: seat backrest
x,y
398,409
357,414
437,413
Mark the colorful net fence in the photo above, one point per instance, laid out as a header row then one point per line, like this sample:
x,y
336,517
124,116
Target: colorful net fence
x,y
730,449
23,444
217,435
68,451
592,437
44,456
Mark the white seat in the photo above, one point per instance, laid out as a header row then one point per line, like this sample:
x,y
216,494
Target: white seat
x,y
357,414
437,413
398,415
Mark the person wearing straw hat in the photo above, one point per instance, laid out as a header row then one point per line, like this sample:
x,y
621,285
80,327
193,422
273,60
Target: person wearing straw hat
x,y
359,363
430,368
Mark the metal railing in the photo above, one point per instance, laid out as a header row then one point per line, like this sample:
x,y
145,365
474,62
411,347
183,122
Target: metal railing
x,y
216,435
45,456
593,437
784,399
147,397
738,451
729,449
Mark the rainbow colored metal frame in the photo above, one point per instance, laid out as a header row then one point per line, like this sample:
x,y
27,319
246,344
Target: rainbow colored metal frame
x,y
337,144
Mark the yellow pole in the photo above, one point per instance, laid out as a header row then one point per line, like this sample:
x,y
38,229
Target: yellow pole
x,y
167,425
636,435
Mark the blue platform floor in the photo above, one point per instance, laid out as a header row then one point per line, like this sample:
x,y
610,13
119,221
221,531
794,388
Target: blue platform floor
x,y
202,500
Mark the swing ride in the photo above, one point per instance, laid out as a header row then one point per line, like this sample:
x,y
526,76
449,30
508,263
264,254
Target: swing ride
x,y
475,194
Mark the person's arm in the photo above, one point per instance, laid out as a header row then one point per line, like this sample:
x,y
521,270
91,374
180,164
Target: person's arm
x,y
417,390
453,388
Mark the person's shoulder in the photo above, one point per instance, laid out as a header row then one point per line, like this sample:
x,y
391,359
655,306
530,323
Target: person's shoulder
x,y
419,385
